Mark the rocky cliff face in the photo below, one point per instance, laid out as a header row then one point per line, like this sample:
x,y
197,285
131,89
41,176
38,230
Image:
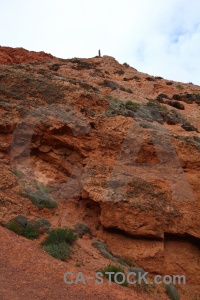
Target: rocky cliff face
x,y
115,148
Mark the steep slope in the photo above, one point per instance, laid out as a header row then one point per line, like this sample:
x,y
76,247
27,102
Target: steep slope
x,y
115,148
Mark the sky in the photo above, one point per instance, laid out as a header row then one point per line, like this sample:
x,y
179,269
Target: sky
x,y
158,37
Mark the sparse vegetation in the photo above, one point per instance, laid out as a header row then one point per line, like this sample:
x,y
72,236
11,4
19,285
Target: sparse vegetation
x,y
30,232
115,269
163,108
132,105
197,139
175,104
150,78
17,173
103,250
188,126
120,72
180,86
129,91
59,235
30,229
54,67
130,102
58,242
172,292
39,198
111,84
151,103
59,251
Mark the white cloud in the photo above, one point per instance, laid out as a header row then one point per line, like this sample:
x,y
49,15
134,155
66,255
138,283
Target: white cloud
x,y
159,37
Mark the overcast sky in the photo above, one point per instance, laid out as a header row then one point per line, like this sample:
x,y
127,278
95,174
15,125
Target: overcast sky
x,y
158,37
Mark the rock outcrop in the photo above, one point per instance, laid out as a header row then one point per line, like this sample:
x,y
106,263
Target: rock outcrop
x,y
106,142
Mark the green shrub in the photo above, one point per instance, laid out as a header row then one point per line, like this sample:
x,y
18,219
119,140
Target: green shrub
x,y
115,269
120,72
41,223
126,65
60,235
163,108
172,292
151,103
57,243
15,227
132,105
103,250
197,139
59,251
81,229
29,231
40,199
130,102
17,173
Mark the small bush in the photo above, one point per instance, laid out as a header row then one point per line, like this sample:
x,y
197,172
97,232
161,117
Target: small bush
x,y
15,227
175,104
163,108
21,220
103,250
59,251
197,139
129,91
111,84
54,67
130,102
17,173
60,235
57,243
126,65
40,199
115,269
151,103
150,78
120,72
172,292
132,105
29,231
41,224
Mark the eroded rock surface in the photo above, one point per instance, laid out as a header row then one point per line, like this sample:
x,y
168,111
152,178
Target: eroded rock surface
x,y
102,140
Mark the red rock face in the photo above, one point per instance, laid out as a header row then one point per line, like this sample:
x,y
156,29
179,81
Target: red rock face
x,y
113,149
19,55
